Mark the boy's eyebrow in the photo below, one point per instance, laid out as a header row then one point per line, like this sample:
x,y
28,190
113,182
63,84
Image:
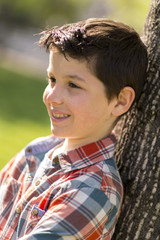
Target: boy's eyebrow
x,y
75,77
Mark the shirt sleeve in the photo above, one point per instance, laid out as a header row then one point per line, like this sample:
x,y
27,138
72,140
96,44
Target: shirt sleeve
x,y
11,180
14,167
84,214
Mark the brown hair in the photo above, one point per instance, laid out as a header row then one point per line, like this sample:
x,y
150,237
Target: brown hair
x,y
115,51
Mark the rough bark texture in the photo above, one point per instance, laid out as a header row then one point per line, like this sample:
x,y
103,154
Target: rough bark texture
x,y
138,148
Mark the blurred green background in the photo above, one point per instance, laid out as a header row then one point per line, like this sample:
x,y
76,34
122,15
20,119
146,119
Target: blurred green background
x,y
40,13
23,116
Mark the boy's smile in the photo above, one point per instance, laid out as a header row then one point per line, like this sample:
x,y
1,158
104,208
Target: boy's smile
x,y
57,115
76,101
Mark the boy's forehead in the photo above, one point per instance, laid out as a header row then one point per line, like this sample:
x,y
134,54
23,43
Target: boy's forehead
x,y
53,53
88,63
60,66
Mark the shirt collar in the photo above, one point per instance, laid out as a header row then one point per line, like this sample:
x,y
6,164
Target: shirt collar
x,y
78,158
42,145
89,154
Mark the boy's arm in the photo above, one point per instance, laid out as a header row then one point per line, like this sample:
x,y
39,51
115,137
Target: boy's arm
x,y
5,170
11,179
77,214
14,167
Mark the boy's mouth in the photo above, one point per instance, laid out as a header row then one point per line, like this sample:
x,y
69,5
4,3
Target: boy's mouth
x,y
58,116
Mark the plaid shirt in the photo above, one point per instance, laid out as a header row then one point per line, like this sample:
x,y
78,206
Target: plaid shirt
x,y
78,195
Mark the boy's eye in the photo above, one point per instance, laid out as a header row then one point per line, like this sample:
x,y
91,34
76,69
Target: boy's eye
x,y
70,84
73,85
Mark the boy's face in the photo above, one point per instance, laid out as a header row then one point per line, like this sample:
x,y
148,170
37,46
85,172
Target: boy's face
x,y
76,101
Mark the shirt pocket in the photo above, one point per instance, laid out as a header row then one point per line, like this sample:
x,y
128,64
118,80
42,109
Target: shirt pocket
x,y
34,217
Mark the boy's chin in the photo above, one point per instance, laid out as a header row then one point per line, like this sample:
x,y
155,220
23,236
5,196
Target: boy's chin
x,y
57,133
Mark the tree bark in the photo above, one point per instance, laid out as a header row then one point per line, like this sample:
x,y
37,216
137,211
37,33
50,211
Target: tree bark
x,y
138,148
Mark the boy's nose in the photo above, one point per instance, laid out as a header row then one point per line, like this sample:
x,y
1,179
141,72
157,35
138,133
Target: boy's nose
x,y
54,96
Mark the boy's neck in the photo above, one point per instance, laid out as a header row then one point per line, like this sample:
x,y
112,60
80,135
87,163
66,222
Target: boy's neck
x,y
71,144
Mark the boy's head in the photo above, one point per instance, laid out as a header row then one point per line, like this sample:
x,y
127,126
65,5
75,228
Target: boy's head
x,y
96,68
114,51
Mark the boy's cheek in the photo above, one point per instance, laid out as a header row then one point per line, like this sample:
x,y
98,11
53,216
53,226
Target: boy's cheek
x,y
45,96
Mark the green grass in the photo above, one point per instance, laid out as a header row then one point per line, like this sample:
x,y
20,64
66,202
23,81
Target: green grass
x,y
23,115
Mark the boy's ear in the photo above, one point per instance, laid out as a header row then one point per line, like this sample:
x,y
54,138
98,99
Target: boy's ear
x,y
124,101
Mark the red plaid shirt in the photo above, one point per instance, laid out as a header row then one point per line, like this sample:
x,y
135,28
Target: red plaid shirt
x,y
76,196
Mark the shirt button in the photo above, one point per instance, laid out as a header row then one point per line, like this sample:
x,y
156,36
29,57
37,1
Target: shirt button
x,y
37,182
29,149
35,212
56,160
18,210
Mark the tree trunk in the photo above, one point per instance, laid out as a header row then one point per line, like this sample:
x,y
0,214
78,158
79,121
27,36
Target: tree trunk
x,y
138,148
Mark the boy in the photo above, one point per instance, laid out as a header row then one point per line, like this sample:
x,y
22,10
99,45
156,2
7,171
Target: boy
x,y
67,186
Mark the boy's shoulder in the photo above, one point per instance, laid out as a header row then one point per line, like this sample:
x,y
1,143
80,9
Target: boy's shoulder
x,y
42,145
